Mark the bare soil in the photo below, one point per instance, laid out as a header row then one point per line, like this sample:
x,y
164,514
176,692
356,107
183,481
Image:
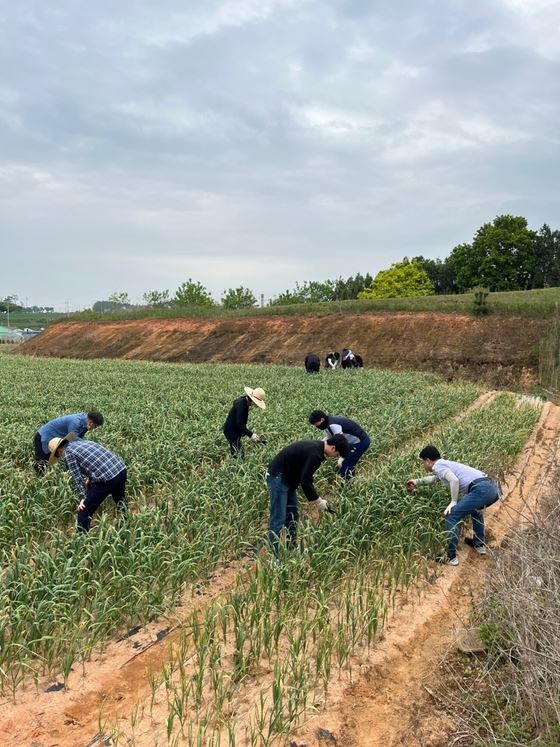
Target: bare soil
x,y
389,700
501,351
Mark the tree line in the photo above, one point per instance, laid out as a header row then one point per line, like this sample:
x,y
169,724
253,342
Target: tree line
x,y
503,255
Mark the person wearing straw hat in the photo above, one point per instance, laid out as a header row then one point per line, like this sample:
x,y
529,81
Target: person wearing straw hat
x,y
79,423
96,473
235,426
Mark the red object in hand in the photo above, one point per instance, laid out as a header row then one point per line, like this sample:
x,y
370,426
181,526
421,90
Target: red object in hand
x,y
410,486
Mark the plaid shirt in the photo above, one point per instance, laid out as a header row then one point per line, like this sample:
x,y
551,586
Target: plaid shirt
x,y
91,460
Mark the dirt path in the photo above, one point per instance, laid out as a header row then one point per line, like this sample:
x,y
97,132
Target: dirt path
x,y
380,702
390,704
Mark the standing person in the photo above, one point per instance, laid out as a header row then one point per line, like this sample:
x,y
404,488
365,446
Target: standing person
x,y
79,423
358,440
235,426
348,359
96,473
295,465
312,363
331,361
478,492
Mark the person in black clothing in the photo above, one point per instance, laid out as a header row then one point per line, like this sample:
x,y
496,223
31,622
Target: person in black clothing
x,y
358,439
295,465
235,426
348,359
312,363
359,360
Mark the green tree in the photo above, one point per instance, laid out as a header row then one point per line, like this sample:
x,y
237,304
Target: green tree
x,y
122,298
192,293
402,279
546,271
238,298
440,272
501,256
156,298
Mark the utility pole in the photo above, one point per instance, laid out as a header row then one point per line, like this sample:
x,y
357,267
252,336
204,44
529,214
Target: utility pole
x,y
262,300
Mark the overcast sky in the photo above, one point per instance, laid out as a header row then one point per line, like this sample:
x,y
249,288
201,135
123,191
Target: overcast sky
x,y
265,142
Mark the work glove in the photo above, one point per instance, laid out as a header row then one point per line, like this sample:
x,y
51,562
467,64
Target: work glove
x,y
339,462
255,438
321,505
449,508
411,485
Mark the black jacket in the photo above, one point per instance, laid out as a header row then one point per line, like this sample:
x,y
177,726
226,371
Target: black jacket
x,y
297,464
236,421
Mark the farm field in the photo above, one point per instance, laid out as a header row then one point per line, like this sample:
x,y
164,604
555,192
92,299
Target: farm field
x,y
250,663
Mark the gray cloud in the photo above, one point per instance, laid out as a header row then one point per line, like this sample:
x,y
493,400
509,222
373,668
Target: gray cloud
x,y
262,142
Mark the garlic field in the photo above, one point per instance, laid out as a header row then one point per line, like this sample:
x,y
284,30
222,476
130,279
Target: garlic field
x,y
250,665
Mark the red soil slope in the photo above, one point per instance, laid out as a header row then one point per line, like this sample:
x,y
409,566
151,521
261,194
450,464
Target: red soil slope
x,y
500,350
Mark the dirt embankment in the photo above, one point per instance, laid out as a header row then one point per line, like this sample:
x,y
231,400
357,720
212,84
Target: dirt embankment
x,y
502,351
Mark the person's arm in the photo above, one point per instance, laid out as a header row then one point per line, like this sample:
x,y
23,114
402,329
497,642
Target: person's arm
x,y
76,475
241,417
310,467
453,483
412,484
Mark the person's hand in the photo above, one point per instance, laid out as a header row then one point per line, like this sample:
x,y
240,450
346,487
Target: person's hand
x,y
411,485
82,505
255,438
449,508
320,504
339,462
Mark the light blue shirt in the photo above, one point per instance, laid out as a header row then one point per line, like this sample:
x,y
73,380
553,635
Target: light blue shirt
x,y
61,427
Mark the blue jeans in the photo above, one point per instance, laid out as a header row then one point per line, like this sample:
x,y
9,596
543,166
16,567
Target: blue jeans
x,y
482,495
350,461
283,512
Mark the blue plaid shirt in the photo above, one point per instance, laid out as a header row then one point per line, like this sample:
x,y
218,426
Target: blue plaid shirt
x,y
91,460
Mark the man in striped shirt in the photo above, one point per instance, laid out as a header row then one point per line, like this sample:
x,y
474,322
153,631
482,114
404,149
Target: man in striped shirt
x,y
478,492
96,473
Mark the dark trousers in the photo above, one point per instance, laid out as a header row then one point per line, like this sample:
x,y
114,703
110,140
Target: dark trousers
x,y
235,446
97,493
350,462
312,367
41,457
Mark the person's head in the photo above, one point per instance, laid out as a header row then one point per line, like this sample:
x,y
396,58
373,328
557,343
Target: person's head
x,y
337,446
57,446
93,420
256,397
429,456
318,418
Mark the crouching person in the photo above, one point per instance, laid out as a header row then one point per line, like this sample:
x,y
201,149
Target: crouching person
x,y
478,492
295,465
95,472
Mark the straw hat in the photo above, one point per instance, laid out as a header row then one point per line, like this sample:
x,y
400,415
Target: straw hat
x,y
257,396
55,443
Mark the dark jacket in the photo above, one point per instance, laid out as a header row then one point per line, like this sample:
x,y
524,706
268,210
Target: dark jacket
x,y
297,463
236,421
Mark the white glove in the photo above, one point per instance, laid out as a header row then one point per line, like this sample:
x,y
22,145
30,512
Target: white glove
x,y
255,438
339,462
320,504
449,508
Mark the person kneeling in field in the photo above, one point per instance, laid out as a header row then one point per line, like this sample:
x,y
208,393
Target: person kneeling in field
x,y
96,473
478,492
295,465
79,423
235,426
